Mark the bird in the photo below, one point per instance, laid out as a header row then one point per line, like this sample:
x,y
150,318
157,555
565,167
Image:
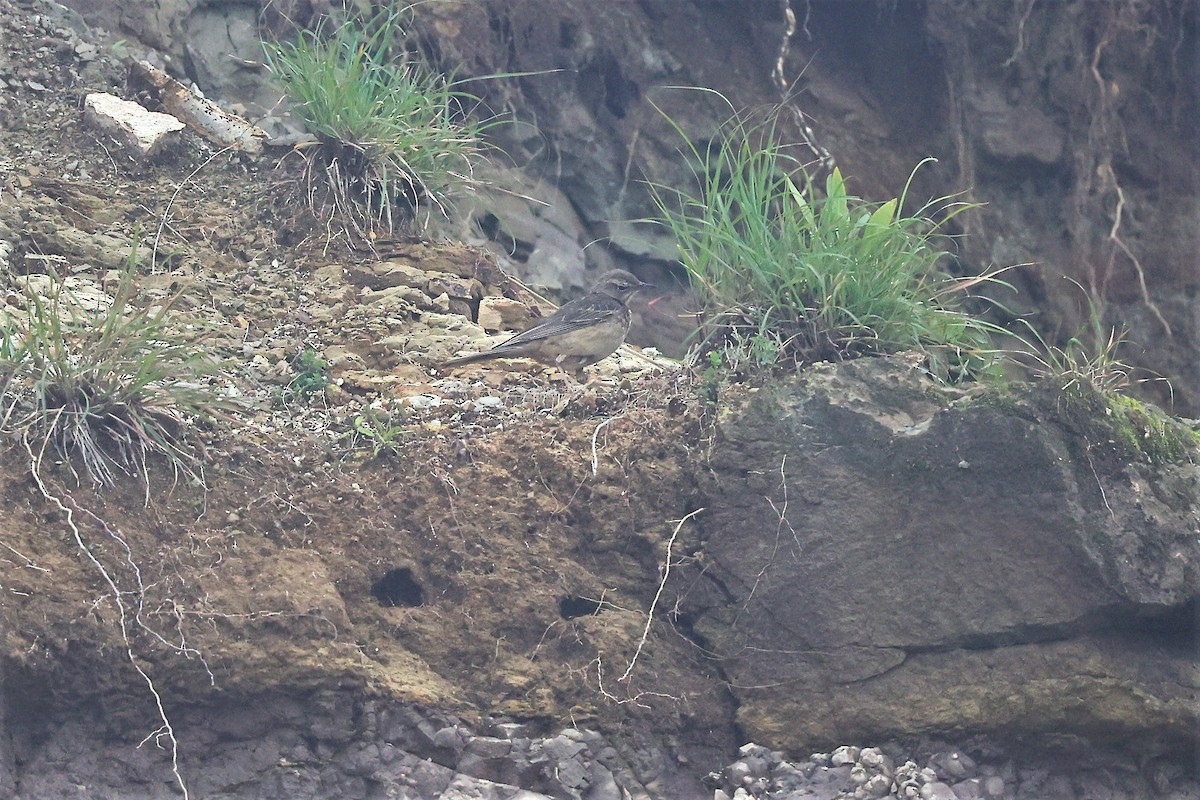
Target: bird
x,y
580,333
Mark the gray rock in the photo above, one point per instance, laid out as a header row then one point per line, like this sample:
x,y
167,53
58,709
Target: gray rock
x,y
488,747
865,424
937,791
1059,787
738,773
970,789
954,765
844,755
430,779
511,730
450,738
604,785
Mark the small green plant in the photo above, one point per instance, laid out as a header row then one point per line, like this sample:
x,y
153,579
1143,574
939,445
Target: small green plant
x,y
312,376
393,138
106,389
799,277
713,376
379,432
1091,380
1090,358
1080,363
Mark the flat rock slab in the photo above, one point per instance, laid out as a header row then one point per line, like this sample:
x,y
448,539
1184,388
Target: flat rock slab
x,y
879,558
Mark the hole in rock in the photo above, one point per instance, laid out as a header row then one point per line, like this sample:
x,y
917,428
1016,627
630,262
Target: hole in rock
x,y
491,227
1177,627
602,84
398,587
571,607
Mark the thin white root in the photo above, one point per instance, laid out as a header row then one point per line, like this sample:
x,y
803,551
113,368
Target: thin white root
x,y
662,584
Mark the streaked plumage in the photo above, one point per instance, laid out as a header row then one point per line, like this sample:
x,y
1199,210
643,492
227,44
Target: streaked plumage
x,y
579,334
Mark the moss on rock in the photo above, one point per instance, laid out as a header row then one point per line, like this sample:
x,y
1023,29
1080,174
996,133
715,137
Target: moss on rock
x,y
1131,429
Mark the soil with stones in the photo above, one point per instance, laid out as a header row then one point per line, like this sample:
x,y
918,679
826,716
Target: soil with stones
x,y
458,567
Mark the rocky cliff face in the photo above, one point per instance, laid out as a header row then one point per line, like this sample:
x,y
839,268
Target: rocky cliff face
x,y
572,592
877,560
1073,123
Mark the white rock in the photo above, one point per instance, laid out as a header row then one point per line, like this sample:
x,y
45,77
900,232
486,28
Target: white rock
x,y
422,401
877,786
875,760
143,133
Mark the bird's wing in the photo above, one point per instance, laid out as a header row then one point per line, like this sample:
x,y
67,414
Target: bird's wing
x,y
576,315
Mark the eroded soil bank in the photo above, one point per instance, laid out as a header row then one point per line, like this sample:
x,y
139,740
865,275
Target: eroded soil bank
x,y
512,593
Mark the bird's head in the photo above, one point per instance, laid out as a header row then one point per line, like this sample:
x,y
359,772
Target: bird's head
x,y
619,285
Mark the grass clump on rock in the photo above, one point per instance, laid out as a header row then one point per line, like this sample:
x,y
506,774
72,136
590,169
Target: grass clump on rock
x,y
788,275
1091,381
393,140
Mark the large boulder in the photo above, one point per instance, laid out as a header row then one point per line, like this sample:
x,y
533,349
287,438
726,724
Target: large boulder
x,y
879,560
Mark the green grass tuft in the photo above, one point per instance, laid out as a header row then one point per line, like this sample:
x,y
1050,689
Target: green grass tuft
x,y
788,276
106,389
381,432
393,139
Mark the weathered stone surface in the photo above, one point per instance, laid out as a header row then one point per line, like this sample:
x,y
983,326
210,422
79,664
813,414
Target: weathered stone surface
x,y
888,561
143,134
278,747
501,314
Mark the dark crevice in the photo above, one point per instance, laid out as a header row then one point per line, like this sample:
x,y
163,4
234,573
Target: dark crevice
x,y
571,607
726,593
1173,628
883,49
603,85
398,587
491,227
684,625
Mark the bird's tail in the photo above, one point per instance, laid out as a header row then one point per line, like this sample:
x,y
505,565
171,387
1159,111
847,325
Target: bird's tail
x,y
469,359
